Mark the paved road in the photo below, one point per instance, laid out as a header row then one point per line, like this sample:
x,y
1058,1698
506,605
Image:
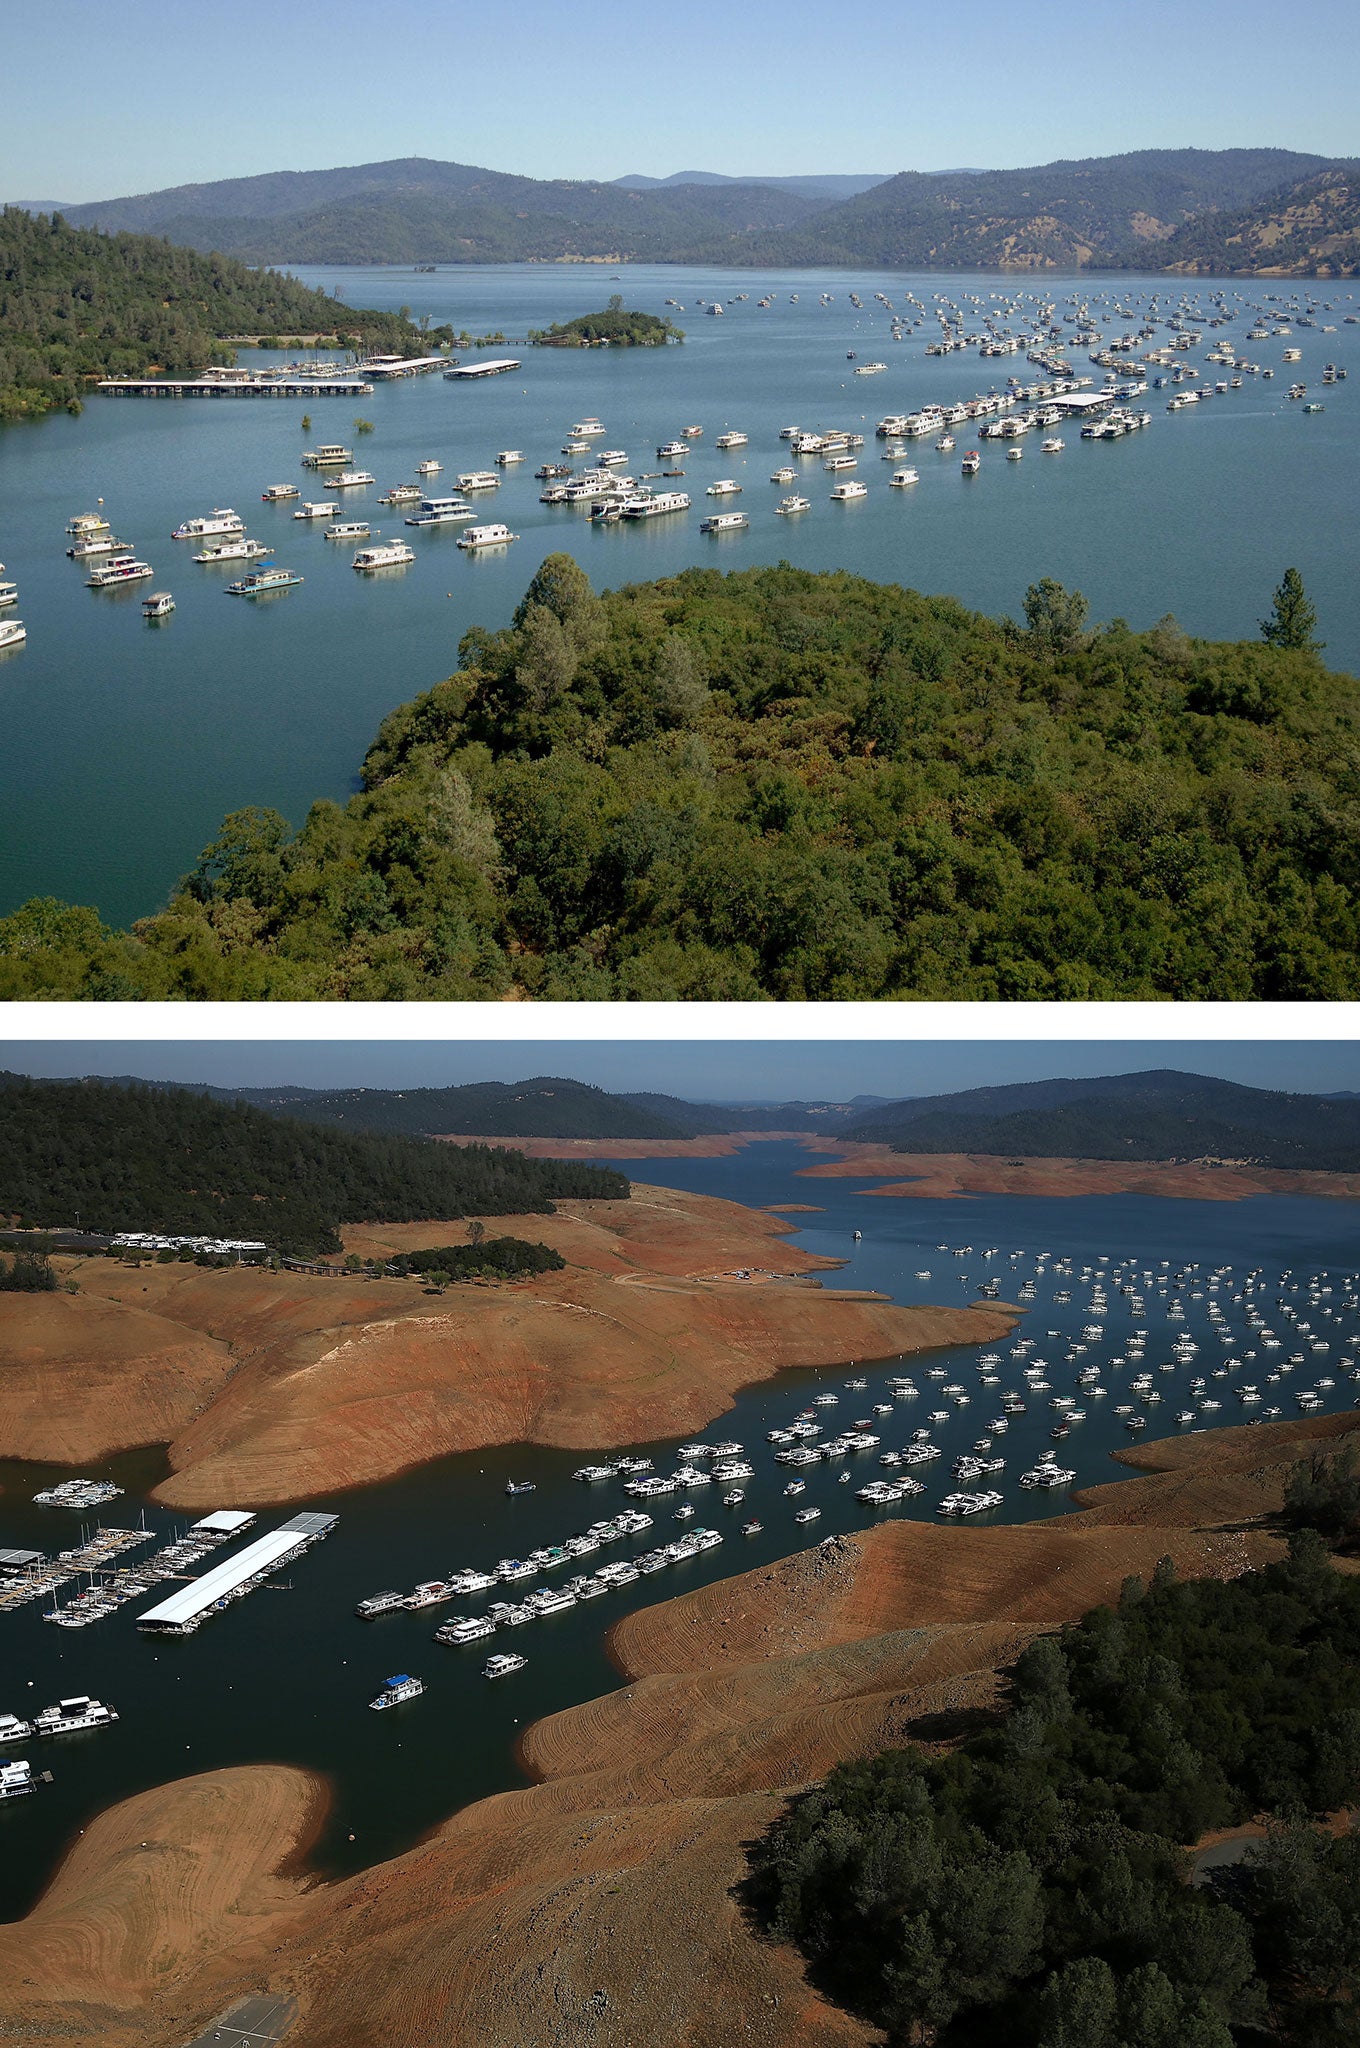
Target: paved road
x,y
251,2023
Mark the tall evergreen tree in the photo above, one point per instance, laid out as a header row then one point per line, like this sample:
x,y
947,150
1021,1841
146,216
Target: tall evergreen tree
x,y
1292,621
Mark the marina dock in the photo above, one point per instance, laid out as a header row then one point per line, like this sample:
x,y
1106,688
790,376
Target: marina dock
x,y
182,1613
387,367
496,367
242,384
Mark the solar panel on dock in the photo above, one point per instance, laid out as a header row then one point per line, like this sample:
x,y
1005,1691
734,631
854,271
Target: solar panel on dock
x,y
310,1524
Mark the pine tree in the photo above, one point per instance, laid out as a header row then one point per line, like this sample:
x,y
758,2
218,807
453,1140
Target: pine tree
x,y
1292,620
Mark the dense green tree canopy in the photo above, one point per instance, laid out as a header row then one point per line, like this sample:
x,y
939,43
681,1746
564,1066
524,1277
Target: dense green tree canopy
x,y
164,1159
615,325
1029,1888
76,305
780,784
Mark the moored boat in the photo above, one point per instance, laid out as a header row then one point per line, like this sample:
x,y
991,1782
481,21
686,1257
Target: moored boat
x,y
261,582
398,1689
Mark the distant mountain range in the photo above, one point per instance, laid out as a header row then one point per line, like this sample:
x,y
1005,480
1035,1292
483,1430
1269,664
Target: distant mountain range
x,y
835,185
1255,211
1143,1116
1158,1115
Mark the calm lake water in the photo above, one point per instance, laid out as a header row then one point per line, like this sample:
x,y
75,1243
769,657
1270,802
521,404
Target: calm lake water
x,y
126,743
286,1674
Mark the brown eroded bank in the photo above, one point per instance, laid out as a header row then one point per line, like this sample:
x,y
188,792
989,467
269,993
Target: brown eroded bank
x,y
275,1387
595,1909
944,1176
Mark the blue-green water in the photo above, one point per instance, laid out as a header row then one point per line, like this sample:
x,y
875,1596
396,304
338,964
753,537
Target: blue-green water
x,y
286,1673
126,743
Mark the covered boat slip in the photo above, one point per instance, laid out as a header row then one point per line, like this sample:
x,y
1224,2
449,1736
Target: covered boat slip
x,y
20,1560
184,1610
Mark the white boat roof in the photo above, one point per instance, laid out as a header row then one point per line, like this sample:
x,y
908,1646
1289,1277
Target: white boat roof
x,y
229,1520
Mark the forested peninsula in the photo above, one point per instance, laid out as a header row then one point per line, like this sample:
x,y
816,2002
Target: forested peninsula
x,y
160,1159
780,784
77,305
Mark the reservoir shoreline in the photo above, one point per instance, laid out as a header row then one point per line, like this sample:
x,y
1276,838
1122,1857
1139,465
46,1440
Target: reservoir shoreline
x,y
733,1696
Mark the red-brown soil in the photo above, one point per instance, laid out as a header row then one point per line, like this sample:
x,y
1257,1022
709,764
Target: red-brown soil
x,y
715,1145
595,1909
274,1387
942,1176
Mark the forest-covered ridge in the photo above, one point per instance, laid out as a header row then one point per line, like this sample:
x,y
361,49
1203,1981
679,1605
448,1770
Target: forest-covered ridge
x,y
77,305
782,784
1144,1116
1146,209
1113,213
114,1158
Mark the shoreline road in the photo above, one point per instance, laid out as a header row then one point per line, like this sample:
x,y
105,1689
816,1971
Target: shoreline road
x,y
250,2021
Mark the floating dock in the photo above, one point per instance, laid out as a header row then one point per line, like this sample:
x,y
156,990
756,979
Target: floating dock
x,y
402,366
183,1611
224,1523
495,368
246,385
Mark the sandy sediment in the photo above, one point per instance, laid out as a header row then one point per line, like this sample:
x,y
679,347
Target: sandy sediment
x,y
596,1909
944,1176
81,1376
153,1893
302,1385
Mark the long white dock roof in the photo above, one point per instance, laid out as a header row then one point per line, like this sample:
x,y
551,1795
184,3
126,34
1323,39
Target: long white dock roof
x,y
261,1555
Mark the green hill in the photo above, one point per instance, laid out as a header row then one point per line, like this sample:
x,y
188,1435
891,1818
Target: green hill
x,y
1310,226
1117,210
1147,209
540,1108
780,784
166,1159
76,305
418,210
1157,1115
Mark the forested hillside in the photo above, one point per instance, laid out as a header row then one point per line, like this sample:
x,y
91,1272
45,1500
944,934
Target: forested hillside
x,y
1311,226
539,1108
1127,1116
1030,1886
781,784
1120,212
418,210
1117,211
76,306
129,1158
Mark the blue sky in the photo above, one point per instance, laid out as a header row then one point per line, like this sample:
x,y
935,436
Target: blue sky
x,y
715,1071
99,104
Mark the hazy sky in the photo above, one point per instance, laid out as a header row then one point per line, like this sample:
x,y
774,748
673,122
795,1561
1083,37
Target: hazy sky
x,y
705,1072
99,103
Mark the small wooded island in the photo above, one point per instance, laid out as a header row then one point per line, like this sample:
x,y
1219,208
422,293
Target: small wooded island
x,y
615,327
